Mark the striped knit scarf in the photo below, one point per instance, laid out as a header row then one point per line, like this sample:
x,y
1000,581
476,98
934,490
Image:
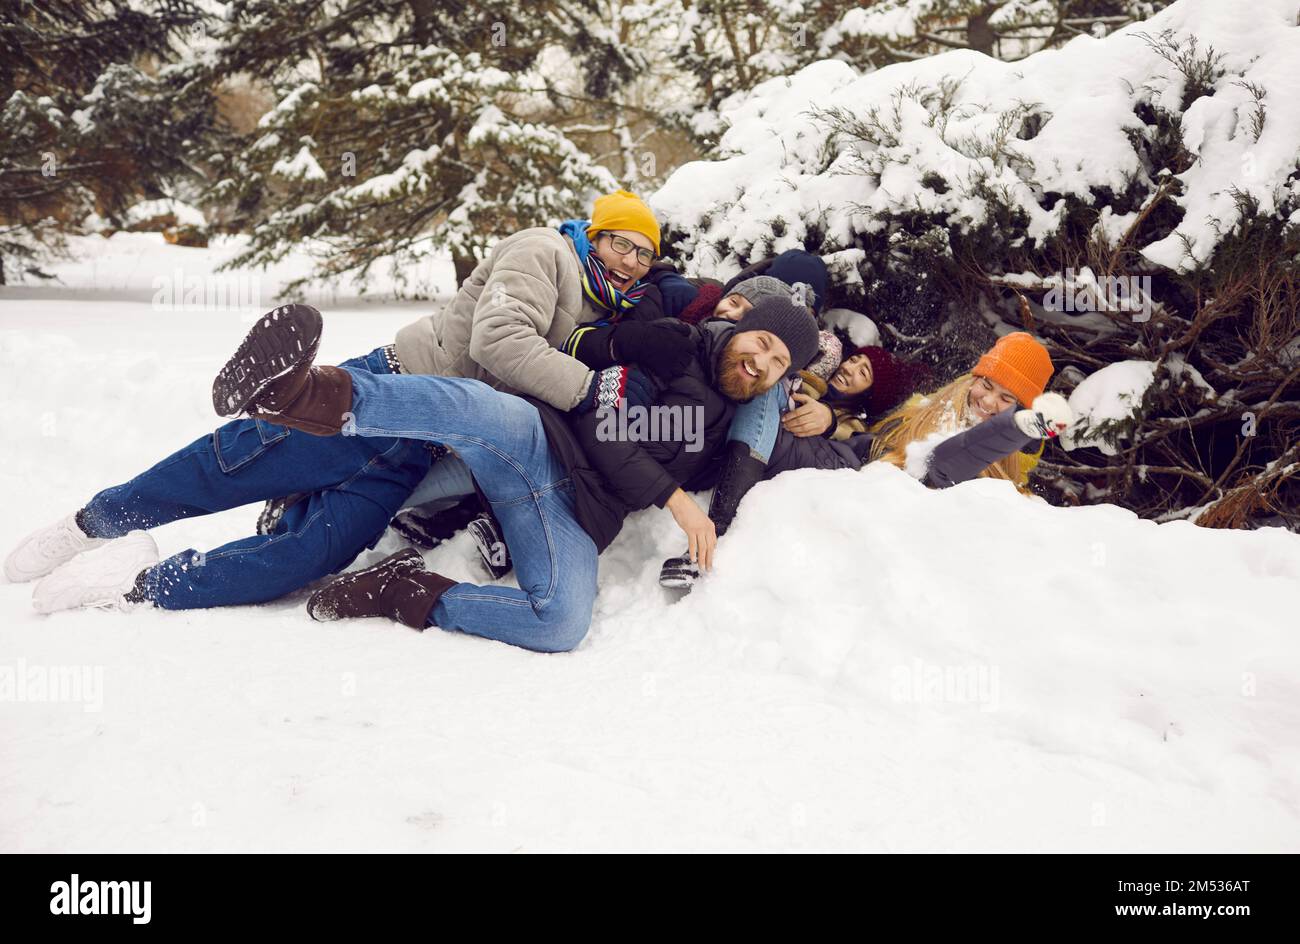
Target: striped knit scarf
x,y
595,277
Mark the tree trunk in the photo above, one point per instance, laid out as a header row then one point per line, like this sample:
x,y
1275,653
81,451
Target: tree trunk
x,y
979,34
422,16
464,266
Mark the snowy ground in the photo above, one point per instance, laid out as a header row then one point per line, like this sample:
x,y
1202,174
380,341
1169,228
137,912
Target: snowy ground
x,y
875,666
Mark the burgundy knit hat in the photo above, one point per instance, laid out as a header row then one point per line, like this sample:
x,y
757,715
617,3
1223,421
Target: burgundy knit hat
x,y
893,380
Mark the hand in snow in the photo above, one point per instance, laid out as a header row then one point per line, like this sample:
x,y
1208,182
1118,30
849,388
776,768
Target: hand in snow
x,y
1049,416
697,526
810,418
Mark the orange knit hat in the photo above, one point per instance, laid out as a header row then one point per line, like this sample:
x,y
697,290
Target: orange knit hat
x,y
623,210
1019,363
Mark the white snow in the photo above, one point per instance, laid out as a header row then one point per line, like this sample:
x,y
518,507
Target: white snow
x,y
186,215
303,165
1106,396
873,666
144,268
862,330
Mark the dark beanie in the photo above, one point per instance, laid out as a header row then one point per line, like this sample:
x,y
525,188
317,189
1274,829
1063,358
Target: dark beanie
x,y
794,267
893,380
790,322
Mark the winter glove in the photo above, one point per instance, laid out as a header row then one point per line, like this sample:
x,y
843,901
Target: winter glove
x,y
590,343
616,388
1049,416
662,347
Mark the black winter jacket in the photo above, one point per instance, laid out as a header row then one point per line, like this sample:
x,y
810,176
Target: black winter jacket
x,y
613,476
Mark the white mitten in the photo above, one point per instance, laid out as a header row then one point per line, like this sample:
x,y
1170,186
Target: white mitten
x,y
1048,417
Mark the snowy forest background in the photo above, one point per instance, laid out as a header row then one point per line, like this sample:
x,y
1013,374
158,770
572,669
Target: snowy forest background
x,y
1120,177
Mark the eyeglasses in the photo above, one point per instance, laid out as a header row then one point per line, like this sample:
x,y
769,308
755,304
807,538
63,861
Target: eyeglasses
x,y
622,245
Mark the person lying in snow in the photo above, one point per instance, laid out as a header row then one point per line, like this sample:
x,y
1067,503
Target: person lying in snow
x,y
444,502
1002,412
694,300
996,418
833,397
559,486
504,327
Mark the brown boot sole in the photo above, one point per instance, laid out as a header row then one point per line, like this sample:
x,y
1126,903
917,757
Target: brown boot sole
x,y
282,339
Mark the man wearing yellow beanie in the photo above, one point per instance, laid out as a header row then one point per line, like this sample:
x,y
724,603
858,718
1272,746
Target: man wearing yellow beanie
x,y
509,321
624,211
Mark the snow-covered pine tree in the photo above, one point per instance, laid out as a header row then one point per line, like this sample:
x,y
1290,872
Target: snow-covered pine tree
x,y
404,128
93,115
1132,200
730,46
643,127
888,31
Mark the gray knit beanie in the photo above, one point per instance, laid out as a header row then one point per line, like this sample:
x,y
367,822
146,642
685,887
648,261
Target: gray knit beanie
x,y
793,324
760,286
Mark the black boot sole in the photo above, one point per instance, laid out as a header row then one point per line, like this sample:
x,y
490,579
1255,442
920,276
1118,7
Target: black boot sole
x,y
273,511
282,339
678,573
491,546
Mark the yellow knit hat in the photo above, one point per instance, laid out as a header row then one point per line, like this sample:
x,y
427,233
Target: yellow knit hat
x,y
1019,363
623,210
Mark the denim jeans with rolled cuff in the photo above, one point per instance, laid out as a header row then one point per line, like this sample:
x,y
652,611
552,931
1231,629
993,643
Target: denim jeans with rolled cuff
x,y
501,440
354,487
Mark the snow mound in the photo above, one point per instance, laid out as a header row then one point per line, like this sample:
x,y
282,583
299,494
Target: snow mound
x,y
1105,399
184,213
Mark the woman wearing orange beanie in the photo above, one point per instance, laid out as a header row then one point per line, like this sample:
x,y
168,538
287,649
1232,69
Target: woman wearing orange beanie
x,y
988,423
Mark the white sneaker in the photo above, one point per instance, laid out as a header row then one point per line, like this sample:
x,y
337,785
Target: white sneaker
x,y
100,577
42,551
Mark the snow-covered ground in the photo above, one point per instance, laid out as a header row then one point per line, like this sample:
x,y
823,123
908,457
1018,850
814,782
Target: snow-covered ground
x,y
875,666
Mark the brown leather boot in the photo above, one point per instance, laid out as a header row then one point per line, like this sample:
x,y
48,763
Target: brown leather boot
x,y
271,375
397,587
315,400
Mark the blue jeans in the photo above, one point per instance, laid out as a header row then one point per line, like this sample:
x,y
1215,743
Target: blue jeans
x,y
501,440
355,485
447,483
757,422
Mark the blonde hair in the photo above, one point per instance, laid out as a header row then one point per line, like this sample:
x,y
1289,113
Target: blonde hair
x,y
942,411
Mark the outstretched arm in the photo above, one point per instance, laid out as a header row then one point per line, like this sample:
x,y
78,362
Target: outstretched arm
x,y
962,457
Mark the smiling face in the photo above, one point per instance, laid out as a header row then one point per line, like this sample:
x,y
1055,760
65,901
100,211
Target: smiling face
x,y
988,398
752,363
853,376
732,307
624,269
